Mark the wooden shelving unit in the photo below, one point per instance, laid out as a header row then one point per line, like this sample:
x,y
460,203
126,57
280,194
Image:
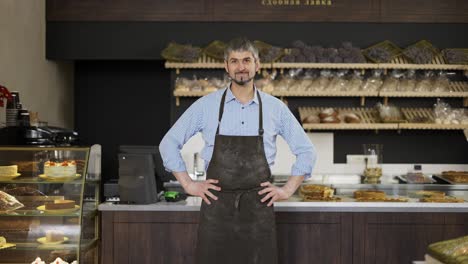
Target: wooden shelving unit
x,y
438,63
370,120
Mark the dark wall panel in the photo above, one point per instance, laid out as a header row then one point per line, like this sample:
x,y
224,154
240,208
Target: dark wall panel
x,y
123,92
144,40
121,102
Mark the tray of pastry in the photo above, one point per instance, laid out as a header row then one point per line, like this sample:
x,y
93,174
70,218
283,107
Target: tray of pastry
x,y
415,178
452,177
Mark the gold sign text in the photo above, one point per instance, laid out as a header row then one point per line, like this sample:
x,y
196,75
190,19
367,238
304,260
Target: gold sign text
x,y
296,2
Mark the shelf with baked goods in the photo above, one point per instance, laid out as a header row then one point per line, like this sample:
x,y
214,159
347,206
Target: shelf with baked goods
x,y
38,204
40,210
337,87
455,90
400,62
203,62
323,118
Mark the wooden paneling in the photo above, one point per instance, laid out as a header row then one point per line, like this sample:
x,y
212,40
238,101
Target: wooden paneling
x,y
303,237
127,10
254,10
260,10
402,238
314,238
161,243
435,11
107,237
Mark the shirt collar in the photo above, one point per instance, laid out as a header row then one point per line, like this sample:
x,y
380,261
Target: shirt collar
x,y
230,96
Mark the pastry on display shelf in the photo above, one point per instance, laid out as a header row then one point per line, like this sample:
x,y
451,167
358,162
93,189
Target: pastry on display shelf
x,y
26,166
369,194
435,194
384,199
54,236
446,199
6,171
23,191
352,118
38,260
376,196
9,202
389,113
456,176
327,112
59,261
2,241
311,119
355,83
60,204
373,83
60,169
321,199
441,83
66,255
338,82
391,84
313,190
330,120
30,197
425,83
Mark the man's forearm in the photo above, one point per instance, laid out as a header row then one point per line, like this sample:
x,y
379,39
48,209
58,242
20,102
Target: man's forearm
x,y
183,178
292,184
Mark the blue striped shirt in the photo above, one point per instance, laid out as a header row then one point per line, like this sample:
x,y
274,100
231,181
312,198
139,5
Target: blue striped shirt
x,y
239,120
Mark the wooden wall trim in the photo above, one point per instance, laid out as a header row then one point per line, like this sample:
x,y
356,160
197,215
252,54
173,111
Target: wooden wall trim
x,y
387,11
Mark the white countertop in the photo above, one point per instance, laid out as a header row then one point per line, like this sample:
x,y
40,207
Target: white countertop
x,y
193,204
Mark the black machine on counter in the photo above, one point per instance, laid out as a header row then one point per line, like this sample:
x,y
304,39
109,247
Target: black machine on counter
x,y
32,135
141,174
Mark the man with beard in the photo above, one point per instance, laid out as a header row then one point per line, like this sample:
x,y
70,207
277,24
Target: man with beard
x,y
239,125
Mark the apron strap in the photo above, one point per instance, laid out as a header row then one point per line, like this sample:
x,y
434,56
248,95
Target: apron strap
x,y
260,117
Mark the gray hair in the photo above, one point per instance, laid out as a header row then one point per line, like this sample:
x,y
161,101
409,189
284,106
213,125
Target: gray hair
x,y
240,44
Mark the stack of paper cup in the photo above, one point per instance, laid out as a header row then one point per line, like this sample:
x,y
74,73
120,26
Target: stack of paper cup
x,y
12,110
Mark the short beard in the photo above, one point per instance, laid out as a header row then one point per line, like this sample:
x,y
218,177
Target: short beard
x,y
242,82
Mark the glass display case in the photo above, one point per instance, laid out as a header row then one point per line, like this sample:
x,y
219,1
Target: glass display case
x,y
349,188
48,205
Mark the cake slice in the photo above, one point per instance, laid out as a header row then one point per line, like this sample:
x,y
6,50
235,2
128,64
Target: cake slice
x,y
54,236
6,171
2,241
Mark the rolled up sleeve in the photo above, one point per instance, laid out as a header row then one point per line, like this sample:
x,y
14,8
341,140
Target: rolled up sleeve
x,y
186,126
299,144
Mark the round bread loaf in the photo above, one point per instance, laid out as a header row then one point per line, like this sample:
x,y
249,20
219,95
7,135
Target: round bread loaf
x,y
327,112
311,119
330,119
352,118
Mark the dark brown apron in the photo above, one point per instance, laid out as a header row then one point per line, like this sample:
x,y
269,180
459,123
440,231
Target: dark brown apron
x,y
237,228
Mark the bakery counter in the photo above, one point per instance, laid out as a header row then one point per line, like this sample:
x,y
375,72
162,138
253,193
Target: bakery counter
x,y
343,231
295,205
308,232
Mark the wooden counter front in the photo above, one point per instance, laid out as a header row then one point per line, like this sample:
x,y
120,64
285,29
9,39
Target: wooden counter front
x,y
169,237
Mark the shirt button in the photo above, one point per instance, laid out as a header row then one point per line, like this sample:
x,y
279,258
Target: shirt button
x,y
242,122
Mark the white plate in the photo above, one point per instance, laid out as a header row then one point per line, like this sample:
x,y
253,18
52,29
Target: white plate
x,y
58,211
67,178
